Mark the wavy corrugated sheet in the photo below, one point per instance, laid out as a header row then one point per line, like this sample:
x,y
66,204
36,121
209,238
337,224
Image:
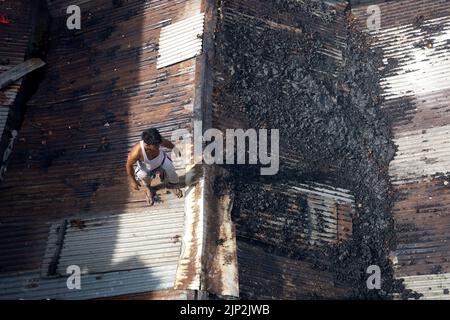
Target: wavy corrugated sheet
x,y
13,44
317,214
149,244
180,41
415,40
30,286
22,246
432,286
119,242
422,221
289,278
421,154
101,89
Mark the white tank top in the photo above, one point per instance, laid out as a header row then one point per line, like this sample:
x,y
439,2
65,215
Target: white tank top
x,y
150,165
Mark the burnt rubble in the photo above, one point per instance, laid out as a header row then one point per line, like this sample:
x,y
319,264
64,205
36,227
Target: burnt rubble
x,y
330,119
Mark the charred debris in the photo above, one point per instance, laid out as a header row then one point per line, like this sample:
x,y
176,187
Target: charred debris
x,y
330,119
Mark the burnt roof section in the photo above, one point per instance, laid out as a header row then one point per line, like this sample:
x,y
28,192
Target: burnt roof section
x,y
281,222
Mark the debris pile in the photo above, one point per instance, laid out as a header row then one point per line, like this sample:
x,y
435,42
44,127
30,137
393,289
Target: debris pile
x,y
330,119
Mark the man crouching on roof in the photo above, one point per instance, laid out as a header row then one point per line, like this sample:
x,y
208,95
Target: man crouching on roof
x,y
150,160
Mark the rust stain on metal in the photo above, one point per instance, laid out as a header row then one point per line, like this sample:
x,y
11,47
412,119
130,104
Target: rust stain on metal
x,y
414,39
192,273
189,268
158,295
220,258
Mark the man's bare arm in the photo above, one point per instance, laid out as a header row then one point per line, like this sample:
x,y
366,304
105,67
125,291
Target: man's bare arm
x,y
133,156
167,144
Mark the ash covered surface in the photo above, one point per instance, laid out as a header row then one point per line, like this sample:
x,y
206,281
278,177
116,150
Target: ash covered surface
x,y
330,120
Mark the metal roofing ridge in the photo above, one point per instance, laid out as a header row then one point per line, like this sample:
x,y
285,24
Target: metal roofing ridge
x,y
196,254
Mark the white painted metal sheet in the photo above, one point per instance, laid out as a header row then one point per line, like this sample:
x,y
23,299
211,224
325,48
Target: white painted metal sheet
x,y
180,41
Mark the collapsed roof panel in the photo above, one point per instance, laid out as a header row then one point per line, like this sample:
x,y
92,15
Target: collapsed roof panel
x,y
282,222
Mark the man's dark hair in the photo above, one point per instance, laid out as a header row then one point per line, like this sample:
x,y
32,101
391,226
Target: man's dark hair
x,y
151,136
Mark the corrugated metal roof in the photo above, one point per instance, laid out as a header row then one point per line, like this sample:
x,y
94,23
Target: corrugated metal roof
x,y
414,38
159,295
422,218
268,276
335,206
112,248
421,154
31,286
101,89
22,246
432,287
13,45
316,214
180,41
120,242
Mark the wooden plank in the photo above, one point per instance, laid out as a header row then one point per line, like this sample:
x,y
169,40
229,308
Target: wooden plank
x,y
20,70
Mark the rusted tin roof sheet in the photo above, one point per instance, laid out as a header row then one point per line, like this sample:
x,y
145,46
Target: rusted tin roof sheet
x,y
23,246
268,276
414,38
31,286
14,38
101,89
127,241
134,252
